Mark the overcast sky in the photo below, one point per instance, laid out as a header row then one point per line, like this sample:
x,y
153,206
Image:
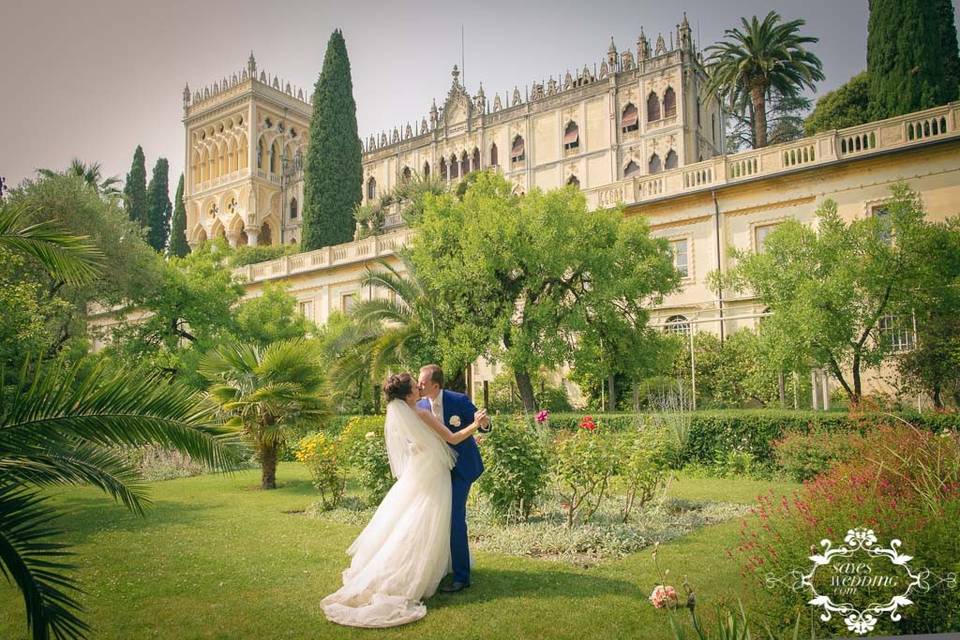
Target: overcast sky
x,y
94,78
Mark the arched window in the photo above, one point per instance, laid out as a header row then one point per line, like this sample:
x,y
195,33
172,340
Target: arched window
x,y
426,169
260,154
654,166
464,164
407,175
475,163
671,160
632,169
669,103
274,157
517,150
443,168
266,237
454,167
371,188
629,119
677,324
653,107
574,181
493,155
294,211
571,136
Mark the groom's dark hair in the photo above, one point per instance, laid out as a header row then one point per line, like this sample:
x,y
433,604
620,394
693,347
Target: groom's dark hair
x,y
436,373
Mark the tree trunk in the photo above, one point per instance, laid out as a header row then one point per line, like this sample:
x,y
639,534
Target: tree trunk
x,y
268,466
758,100
857,386
612,393
937,397
525,387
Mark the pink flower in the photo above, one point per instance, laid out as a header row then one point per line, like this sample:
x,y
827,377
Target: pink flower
x,y
542,416
663,596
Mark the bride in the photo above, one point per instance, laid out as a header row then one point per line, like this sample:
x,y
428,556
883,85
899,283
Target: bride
x,y
404,552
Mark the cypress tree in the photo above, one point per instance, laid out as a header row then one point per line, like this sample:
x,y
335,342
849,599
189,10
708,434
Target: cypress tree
x,y
332,174
908,51
158,206
178,226
135,188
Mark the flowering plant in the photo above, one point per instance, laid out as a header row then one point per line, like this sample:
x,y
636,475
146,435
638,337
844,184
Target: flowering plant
x,y
588,423
664,596
542,416
321,455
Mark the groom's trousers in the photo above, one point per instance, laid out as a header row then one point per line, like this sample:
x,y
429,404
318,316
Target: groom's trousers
x,y
459,550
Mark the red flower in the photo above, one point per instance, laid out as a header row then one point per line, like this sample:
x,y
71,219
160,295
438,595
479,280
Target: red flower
x,y
588,423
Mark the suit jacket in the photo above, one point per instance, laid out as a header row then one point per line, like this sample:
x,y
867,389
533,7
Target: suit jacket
x,y
469,464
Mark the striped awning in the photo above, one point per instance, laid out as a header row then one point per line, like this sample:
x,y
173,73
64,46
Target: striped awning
x,y
571,136
517,150
629,117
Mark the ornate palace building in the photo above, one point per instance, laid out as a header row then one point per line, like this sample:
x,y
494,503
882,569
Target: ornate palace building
x,y
636,130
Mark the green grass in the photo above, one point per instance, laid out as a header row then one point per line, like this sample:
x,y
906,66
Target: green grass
x,y
215,557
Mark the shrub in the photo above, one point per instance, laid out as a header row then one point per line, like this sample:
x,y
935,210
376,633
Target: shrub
x,y
903,483
247,254
322,457
803,456
515,468
365,448
585,461
640,470
156,463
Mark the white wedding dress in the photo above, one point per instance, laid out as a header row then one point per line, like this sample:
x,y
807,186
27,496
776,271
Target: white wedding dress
x,y
404,552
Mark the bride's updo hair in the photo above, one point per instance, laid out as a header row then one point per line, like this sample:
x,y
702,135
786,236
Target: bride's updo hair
x,y
398,387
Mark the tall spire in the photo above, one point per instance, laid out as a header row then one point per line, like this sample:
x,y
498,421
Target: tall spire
x,y
252,65
456,76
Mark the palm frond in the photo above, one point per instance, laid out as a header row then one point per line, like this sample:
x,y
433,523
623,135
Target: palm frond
x,y
36,565
73,259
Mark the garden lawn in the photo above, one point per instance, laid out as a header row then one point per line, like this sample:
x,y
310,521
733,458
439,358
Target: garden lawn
x,y
216,557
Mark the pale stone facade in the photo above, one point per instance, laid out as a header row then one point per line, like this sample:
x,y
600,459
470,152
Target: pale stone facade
x,y
701,200
246,138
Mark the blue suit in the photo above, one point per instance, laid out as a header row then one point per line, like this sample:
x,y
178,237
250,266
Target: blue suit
x,y
468,468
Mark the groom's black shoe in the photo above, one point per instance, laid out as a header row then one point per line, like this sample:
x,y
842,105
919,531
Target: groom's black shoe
x,y
453,587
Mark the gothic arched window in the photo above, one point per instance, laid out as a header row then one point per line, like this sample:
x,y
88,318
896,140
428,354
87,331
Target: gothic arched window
x,y
493,155
653,107
517,151
475,163
629,119
407,175
669,103
464,164
632,169
571,136
671,160
443,168
454,167
371,188
654,166
426,169
293,209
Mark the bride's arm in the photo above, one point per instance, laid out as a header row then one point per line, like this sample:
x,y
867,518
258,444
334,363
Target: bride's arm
x,y
444,432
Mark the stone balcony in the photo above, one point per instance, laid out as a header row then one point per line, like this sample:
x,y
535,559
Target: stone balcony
x,y
336,256
873,138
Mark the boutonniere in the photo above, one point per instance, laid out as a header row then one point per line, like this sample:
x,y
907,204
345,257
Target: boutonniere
x,y
454,421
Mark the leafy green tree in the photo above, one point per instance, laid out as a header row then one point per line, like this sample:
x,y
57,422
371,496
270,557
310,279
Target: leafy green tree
x,y
333,172
760,58
265,391
408,194
91,174
158,207
911,56
829,286
529,279
846,106
135,189
178,226
270,317
933,365
186,314
64,427
784,122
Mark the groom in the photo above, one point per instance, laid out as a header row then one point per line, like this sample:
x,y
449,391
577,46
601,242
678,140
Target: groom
x,y
455,411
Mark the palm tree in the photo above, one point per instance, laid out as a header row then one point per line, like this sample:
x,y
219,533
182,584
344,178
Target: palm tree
x,y
92,174
761,58
265,391
63,426
72,259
